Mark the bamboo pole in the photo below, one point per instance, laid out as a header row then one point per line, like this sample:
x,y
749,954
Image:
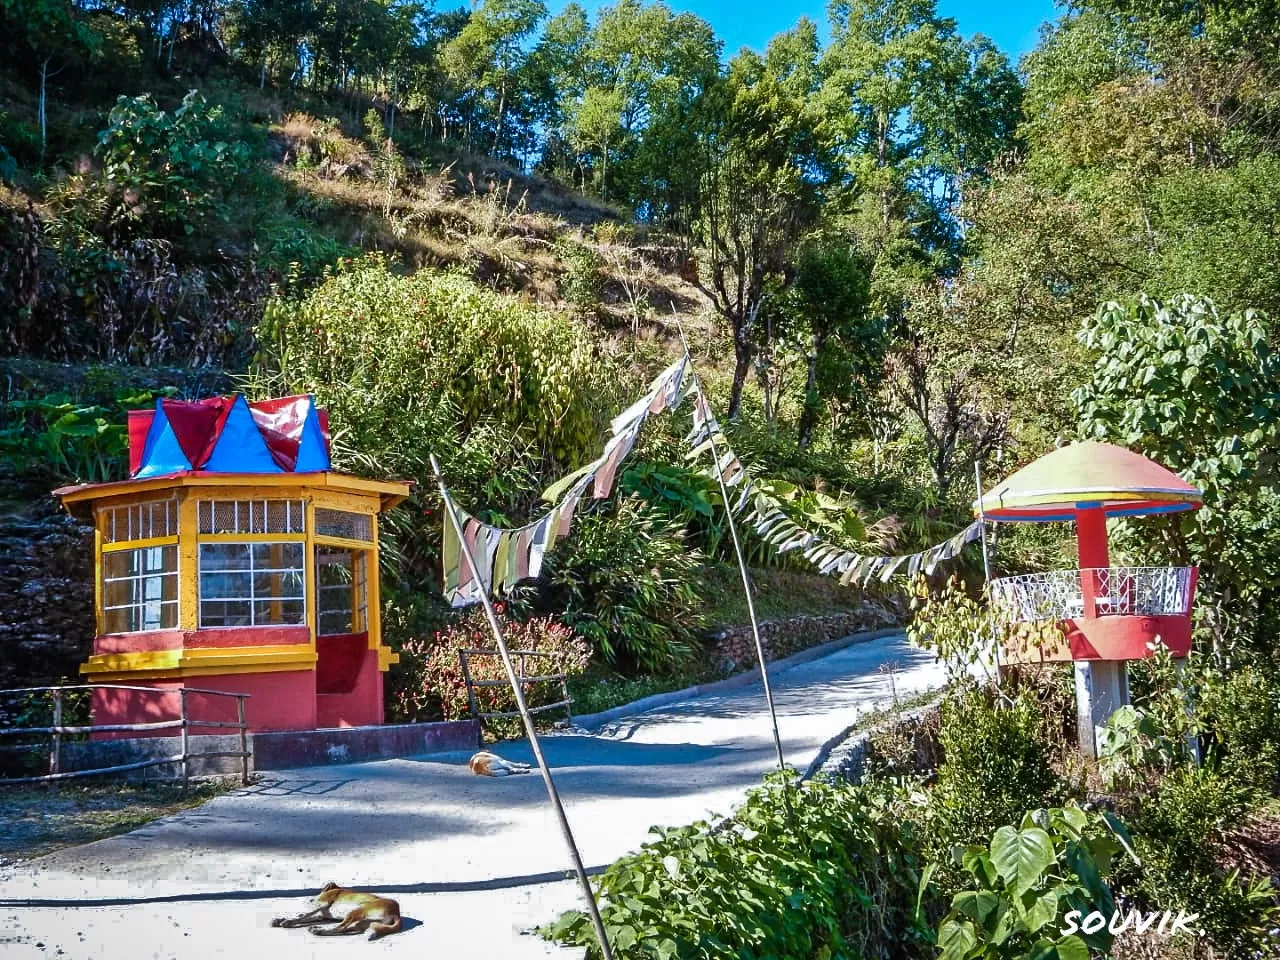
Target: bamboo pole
x,y
746,580
527,719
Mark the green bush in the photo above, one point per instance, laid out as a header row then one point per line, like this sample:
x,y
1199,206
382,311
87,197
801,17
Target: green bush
x,y
1180,835
171,171
625,581
1240,714
433,362
582,282
1027,881
838,877
428,683
85,442
996,766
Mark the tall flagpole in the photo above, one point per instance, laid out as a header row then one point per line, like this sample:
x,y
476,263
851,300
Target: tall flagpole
x,y
982,519
552,793
746,580
986,564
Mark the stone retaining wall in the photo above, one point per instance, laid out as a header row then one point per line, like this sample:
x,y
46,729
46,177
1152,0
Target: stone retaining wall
x,y
735,647
46,594
845,757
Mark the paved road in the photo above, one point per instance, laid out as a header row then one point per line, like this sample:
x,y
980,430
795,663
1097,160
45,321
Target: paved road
x,y
466,856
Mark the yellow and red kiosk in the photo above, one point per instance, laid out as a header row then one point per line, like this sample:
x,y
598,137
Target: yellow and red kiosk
x,y
236,559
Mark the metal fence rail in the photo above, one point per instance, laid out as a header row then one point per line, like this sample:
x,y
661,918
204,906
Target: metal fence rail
x,y
183,722
525,679
1116,591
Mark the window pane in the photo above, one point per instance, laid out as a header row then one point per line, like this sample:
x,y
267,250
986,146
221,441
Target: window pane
x,y
259,584
139,521
343,523
224,556
251,516
278,612
140,589
277,556
225,613
286,584
225,585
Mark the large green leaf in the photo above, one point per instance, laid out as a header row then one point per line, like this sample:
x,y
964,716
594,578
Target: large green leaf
x,y
956,938
1021,856
975,904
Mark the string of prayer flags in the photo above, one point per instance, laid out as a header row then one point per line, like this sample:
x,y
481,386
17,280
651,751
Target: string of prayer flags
x,y
505,557
776,528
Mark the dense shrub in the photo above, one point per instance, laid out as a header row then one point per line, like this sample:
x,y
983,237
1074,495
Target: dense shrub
x,y
1180,832
428,683
836,878
996,765
581,284
625,581
433,362
1240,715
1025,883
73,288
171,171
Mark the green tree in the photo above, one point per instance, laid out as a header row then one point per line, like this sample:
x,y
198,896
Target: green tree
x,y
1198,392
766,166
52,35
842,336
488,52
913,110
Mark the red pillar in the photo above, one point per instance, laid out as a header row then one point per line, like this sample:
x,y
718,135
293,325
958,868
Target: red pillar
x,y
1102,686
1091,544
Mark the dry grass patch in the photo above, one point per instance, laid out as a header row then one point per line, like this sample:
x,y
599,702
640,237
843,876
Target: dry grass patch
x,y
38,821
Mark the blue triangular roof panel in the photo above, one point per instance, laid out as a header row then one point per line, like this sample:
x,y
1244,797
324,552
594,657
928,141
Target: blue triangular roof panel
x,y
312,452
240,448
162,453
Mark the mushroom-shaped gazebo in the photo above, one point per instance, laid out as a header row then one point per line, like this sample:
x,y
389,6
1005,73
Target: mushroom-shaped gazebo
x,y
1107,615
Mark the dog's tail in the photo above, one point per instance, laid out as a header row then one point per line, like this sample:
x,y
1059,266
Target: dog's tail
x,y
382,929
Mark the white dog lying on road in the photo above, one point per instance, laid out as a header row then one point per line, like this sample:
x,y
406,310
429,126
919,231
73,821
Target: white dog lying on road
x,y
488,764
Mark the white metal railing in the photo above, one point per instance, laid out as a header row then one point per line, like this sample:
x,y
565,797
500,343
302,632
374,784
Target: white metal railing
x,y
1117,591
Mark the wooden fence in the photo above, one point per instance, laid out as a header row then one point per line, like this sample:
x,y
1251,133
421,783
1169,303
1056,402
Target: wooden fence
x,y
183,722
520,661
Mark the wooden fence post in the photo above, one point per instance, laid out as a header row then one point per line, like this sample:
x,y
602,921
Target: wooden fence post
x,y
186,739
55,749
244,742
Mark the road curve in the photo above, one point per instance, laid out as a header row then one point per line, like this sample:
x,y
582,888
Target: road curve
x,y
468,857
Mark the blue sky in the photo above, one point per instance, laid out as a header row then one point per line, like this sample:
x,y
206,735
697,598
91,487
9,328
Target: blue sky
x,y
1012,25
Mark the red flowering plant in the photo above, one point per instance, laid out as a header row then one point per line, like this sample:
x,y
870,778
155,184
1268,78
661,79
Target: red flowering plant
x,y
428,683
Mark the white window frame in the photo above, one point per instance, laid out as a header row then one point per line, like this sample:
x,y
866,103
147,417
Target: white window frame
x,y
251,571
144,579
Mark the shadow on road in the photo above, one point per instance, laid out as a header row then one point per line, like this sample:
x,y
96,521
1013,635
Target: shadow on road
x,y
461,886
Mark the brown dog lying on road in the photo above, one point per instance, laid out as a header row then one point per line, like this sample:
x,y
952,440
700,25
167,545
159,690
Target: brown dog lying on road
x,y
357,912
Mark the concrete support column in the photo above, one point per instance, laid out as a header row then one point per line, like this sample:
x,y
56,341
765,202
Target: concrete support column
x,y
1102,687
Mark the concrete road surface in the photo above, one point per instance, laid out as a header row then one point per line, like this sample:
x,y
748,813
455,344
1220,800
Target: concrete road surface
x,y
471,859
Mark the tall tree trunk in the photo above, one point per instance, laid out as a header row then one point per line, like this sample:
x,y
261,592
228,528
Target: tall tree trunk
x,y
604,173
812,402
741,366
502,111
